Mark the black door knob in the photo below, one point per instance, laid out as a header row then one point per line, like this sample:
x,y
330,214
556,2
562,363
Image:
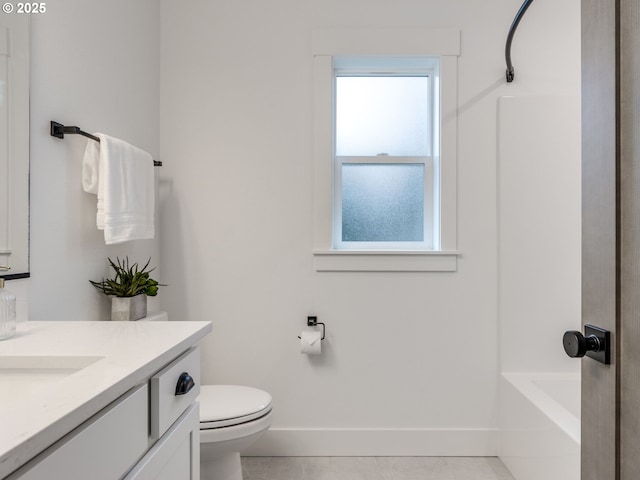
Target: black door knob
x,y
577,345
185,384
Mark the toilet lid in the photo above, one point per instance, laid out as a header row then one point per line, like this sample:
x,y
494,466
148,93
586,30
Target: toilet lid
x,y
225,405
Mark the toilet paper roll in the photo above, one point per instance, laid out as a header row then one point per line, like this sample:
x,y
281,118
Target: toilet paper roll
x,y
310,343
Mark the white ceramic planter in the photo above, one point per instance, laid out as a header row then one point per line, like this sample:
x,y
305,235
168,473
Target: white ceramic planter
x,y
128,308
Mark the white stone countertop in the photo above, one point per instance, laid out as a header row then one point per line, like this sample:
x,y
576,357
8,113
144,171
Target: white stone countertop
x,y
125,354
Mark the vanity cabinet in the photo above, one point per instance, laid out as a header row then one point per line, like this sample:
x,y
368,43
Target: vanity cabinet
x,y
150,432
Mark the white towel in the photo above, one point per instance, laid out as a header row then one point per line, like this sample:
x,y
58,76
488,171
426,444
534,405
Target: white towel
x,y
122,177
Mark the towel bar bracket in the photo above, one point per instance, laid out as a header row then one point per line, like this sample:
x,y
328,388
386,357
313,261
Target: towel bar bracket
x,y
58,130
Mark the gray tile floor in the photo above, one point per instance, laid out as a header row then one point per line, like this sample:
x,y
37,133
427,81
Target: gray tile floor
x,y
374,468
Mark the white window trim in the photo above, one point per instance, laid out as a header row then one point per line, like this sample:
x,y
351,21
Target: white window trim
x,y
327,43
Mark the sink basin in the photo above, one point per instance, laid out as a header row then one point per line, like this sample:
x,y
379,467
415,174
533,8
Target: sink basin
x,y
24,375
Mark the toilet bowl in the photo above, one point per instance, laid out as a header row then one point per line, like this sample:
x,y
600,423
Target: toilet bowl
x,y
232,417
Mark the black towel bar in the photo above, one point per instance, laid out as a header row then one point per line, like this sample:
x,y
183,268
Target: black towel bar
x,y
58,130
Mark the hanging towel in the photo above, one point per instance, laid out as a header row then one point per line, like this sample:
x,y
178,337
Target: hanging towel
x,y
122,177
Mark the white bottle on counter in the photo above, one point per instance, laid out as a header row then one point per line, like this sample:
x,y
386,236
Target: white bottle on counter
x,y
7,312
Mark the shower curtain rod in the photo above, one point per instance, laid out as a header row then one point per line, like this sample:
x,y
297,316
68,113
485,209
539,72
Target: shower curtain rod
x,y
507,51
58,130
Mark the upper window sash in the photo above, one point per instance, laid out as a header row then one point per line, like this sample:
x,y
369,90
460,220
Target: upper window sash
x,y
425,68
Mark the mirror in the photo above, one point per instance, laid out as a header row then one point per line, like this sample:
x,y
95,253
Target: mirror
x,y
14,145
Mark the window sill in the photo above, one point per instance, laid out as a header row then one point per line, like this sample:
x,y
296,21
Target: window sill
x,y
385,261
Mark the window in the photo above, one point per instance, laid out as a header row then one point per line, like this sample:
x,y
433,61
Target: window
x,y
385,149
383,173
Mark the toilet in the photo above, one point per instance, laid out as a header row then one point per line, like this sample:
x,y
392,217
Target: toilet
x,y
232,417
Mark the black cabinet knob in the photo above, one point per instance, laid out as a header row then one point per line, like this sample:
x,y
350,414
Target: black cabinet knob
x,y
185,384
577,345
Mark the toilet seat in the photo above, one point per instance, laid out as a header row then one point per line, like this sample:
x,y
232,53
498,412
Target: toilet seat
x,y
228,405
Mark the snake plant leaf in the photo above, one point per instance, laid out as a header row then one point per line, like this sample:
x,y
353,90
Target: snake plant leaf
x,y
129,279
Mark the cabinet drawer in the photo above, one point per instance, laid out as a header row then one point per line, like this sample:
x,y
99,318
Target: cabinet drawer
x,y
103,448
166,406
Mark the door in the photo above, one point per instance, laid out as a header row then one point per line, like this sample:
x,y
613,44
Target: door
x,y
611,236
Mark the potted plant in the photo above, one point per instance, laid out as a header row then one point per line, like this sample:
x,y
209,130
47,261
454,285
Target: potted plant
x,y
129,289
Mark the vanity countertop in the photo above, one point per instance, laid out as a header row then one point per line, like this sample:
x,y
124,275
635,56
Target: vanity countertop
x,y
114,356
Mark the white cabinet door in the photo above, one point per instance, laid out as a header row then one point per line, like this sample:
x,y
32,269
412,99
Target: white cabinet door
x,y
176,456
103,448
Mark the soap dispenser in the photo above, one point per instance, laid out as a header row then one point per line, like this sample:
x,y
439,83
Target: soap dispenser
x,y
7,312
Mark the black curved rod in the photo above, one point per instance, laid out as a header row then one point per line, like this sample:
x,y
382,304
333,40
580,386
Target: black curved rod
x,y
507,50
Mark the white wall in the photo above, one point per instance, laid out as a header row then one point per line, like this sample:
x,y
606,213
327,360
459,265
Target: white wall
x,y
410,362
94,64
539,236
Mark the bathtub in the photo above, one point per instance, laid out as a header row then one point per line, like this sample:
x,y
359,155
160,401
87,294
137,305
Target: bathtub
x,y
539,425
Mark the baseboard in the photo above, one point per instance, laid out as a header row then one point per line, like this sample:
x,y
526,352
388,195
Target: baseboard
x,y
376,442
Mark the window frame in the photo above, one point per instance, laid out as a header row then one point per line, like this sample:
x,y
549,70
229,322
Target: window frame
x,y
441,43
388,67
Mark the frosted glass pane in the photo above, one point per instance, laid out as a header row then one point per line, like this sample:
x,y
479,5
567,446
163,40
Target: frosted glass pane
x,y
382,115
382,202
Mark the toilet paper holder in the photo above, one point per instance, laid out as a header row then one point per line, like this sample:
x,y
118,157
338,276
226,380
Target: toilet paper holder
x,y
312,322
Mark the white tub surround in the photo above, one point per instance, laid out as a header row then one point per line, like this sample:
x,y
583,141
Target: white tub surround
x,y
540,425
539,269
84,367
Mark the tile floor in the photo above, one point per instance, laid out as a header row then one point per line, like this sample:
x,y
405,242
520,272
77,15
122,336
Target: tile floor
x,y
374,468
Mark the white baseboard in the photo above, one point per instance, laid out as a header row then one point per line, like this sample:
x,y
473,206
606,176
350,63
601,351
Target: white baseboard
x,y
301,442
